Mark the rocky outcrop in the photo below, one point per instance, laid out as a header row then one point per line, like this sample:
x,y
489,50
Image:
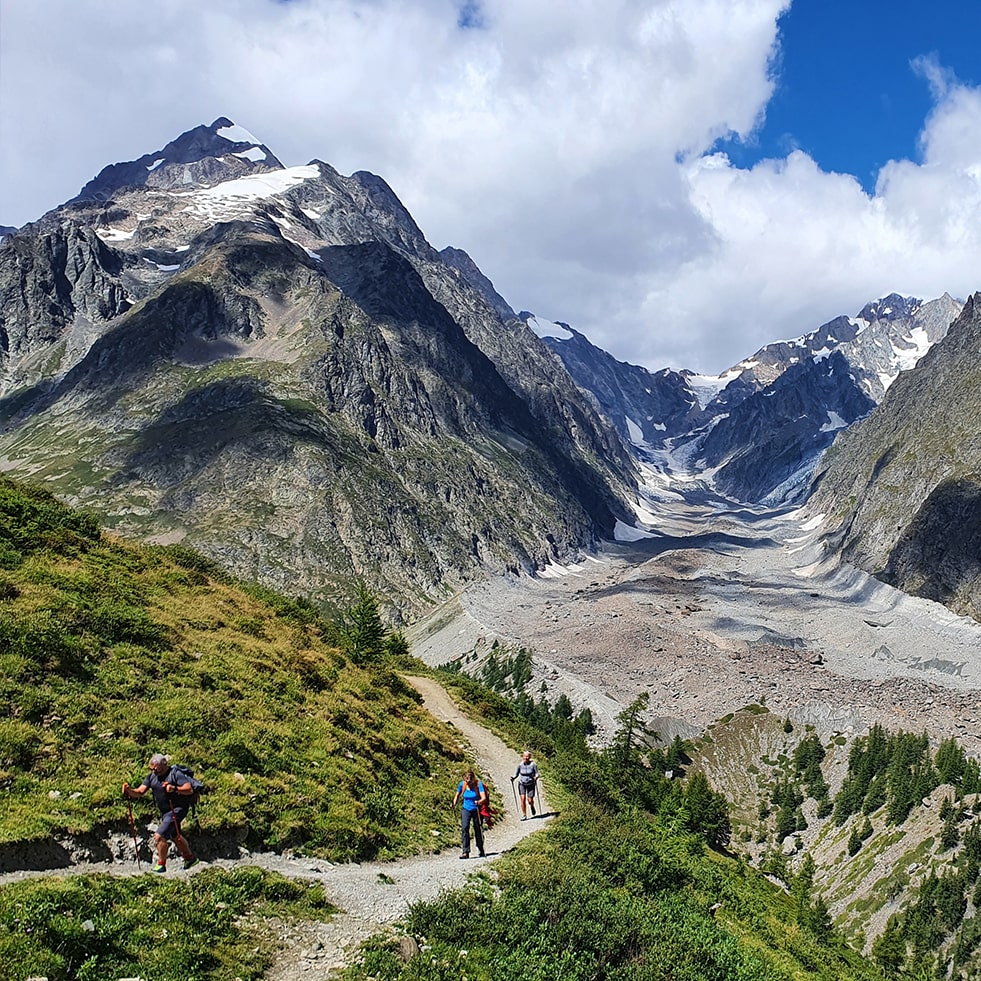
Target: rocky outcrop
x,y
643,406
282,372
765,449
203,156
900,488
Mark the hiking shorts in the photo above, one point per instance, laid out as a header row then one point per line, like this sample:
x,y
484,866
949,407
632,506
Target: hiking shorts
x,y
166,827
526,790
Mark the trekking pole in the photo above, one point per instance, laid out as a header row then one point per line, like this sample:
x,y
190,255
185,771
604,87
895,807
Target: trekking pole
x,y
132,828
515,793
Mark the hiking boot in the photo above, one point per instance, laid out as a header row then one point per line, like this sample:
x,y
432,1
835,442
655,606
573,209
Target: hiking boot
x,y
157,867
465,855
524,817
189,863
481,854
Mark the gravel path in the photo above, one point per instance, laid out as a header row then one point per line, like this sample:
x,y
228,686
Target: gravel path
x,y
373,895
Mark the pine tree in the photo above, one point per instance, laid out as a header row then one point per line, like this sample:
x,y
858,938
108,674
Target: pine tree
x,y
951,761
950,834
889,949
563,707
800,889
363,630
631,733
396,646
708,812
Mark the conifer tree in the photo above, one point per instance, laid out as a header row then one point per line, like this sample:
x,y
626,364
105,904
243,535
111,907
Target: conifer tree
x,y
363,630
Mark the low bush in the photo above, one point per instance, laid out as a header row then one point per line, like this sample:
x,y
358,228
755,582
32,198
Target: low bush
x,y
91,928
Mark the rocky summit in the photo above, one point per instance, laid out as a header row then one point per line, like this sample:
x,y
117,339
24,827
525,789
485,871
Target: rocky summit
x,y
272,365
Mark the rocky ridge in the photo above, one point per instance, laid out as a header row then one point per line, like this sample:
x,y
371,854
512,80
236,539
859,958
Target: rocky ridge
x,y
757,431
901,488
275,367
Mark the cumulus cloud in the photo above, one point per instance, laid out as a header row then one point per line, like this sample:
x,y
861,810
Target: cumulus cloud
x,y
793,246
567,147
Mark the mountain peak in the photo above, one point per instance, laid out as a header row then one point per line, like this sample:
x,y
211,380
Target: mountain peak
x,y
202,156
891,307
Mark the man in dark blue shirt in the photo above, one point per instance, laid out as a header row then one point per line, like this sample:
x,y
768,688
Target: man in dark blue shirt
x,y
172,793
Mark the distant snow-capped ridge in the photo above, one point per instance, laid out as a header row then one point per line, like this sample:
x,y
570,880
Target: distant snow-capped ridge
x,y
757,430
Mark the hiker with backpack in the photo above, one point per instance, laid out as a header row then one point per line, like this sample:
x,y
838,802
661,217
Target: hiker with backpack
x,y
174,793
473,794
527,776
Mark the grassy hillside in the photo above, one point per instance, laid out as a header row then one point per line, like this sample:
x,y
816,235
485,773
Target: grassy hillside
x,y
311,741
111,652
891,823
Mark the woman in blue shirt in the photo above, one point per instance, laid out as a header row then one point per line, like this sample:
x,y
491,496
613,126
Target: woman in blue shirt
x,y
473,793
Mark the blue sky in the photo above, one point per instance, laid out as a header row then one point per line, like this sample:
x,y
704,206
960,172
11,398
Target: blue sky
x,y
851,90
682,180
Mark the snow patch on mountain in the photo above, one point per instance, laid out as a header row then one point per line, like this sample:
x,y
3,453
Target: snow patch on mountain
x,y
255,154
908,357
236,134
834,422
547,328
628,533
636,433
233,199
706,387
114,234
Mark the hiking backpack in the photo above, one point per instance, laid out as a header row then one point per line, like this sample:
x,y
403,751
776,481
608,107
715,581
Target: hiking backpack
x,y
186,775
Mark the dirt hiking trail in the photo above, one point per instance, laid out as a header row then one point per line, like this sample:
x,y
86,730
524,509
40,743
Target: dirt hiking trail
x,y
371,896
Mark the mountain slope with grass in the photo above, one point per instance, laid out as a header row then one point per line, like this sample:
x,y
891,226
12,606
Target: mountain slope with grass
x,y
110,652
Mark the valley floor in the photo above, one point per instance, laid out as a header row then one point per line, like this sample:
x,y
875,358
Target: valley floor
x,y
720,608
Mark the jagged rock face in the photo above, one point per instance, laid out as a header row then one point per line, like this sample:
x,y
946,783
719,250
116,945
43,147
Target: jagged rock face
x,y
888,336
459,260
203,156
279,370
766,447
938,555
54,287
644,407
897,332
902,486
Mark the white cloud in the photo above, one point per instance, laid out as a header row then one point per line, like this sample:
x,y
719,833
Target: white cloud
x,y
560,144
794,246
